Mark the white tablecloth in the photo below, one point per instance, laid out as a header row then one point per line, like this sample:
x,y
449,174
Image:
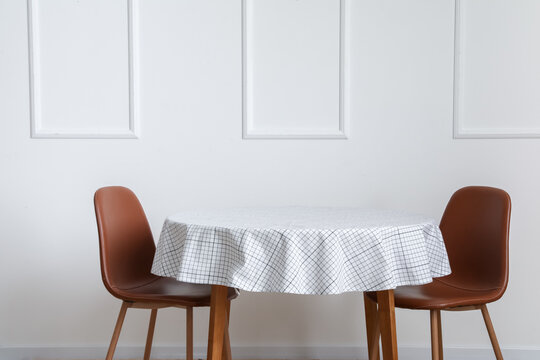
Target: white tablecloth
x,y
301,250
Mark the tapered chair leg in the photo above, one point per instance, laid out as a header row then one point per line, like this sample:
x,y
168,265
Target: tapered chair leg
x,y
116,333
440,336
435,319
150,336
189,333
491,332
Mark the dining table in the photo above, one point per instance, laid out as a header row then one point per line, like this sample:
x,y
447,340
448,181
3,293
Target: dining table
x,y
302,250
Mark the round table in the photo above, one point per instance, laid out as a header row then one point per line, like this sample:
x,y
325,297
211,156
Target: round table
x,y
303,251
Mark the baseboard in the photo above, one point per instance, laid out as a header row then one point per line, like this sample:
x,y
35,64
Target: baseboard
x,y
256,353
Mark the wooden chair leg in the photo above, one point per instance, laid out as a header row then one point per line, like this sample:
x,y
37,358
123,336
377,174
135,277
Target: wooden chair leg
x,y
440,337
435,319
491,332
189,333
117,328
150,335
226,340
372,327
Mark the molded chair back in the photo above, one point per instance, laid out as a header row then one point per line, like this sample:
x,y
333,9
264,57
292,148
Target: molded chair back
x,y
126,244
475,228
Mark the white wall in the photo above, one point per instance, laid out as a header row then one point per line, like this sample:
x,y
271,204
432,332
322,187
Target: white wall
x,y
187,99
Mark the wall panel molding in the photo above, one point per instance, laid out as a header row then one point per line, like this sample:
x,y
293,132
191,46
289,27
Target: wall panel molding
x,y
460,128
38,127
340,127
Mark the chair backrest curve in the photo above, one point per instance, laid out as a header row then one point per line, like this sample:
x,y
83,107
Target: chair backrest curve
x,y
125,240
475,227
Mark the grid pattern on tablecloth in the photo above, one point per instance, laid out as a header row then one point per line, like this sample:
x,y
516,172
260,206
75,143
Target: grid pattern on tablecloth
x,y
302,261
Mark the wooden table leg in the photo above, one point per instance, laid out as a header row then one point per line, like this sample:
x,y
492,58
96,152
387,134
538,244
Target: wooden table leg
x,y
226,340
387,318
372,327
218,321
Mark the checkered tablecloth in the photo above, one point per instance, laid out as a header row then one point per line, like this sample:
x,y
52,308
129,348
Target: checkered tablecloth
x,y
301,250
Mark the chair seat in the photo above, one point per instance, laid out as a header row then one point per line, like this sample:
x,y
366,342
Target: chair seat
x,y
168,290
439,295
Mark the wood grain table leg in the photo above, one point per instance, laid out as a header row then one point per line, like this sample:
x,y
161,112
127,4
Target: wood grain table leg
x,y
387,319
218,322
226,340
372,327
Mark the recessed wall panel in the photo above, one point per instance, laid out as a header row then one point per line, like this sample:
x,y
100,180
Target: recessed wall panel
x,y
293,62
80,68
497,68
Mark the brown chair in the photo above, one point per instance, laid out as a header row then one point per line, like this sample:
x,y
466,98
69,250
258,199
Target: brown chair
x,y
475,228
126,252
